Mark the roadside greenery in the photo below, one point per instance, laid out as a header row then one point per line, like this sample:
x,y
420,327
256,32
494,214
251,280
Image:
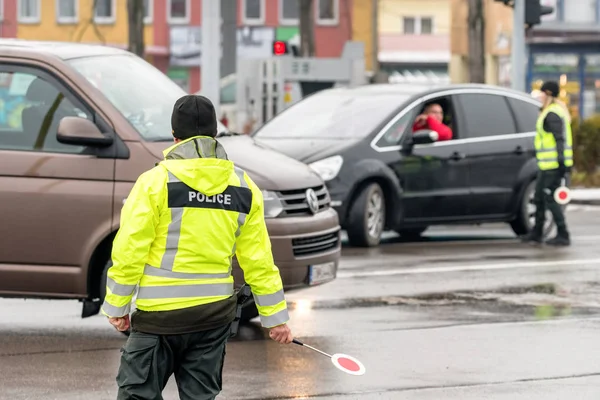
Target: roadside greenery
x,y
586,149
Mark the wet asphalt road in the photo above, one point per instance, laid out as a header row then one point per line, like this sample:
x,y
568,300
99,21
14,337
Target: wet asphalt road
x,y
466,313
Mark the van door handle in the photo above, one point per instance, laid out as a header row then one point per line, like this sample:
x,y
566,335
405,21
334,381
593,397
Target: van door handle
x,y
456,156
519,150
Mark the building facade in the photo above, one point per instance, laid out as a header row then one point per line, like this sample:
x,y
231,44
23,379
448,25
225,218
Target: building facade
x,y
172,32
414,40
498,35
8,19
565,47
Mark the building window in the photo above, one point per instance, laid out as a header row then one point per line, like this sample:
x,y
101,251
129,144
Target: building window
x,y
29,11
417,25
148,11
1,10
328,12
67,11
289,12
105,12
178,11
253,12
426,26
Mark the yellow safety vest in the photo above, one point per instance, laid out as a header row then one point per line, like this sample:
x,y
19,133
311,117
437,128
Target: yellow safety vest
x,y
545,144
181,225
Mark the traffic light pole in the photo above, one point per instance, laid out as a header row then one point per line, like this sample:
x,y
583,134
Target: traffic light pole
x,y
518,48
211,52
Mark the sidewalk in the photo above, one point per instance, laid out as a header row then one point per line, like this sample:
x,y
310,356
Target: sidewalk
x,y
585,196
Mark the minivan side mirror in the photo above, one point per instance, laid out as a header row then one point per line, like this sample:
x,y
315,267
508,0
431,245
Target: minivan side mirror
x,y
81,132
424,136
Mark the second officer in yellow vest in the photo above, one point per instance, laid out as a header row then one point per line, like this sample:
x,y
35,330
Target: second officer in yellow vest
x,y
181,225
554,153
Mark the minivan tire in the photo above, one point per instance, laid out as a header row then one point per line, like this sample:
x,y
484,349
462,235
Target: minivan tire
x,y
369,205
524,222
249,312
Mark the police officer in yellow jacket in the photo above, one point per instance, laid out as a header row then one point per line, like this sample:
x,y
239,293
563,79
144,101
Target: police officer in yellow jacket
x,y
181,225
554,153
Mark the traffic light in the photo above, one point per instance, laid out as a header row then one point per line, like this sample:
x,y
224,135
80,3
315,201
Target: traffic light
x,y
534,11
280,48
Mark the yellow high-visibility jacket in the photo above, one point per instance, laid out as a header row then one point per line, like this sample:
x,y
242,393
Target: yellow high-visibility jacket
x,y
546,149
181,225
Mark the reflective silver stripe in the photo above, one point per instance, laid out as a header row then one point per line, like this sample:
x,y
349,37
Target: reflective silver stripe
x,y
173,292
173,233
266,300
163,273
118,289
113,311
276,319
241,216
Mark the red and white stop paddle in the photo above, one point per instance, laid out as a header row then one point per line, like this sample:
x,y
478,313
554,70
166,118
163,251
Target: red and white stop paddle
x,y
562,194
343,362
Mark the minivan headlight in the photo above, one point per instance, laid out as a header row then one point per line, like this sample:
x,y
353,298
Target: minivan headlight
x,y
273,205
328,168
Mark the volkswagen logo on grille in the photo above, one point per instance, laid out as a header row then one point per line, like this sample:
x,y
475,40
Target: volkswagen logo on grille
x,y
312,200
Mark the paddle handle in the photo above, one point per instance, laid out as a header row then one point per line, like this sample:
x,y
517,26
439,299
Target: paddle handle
x,y
296,341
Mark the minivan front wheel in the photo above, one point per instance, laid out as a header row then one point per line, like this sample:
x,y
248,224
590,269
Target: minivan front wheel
x,y
366,219
525,220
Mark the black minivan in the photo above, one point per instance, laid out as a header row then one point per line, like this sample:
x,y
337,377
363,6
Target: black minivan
x,y
381,175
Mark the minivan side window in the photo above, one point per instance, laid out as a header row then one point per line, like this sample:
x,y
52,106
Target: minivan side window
x,y
31,107
394,134
526,113
486,115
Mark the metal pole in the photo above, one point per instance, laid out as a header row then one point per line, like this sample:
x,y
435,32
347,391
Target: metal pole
x,y
211,51
518,46
375,36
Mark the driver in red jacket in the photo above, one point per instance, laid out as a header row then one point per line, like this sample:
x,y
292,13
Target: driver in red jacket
x,y
432,119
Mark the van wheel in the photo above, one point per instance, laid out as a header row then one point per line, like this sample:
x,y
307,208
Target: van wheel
x,y
102,288
249,312
412,233
366,219
525,220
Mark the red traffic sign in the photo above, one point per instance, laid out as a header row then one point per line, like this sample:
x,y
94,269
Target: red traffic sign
x,y
343,362
562,195
348,364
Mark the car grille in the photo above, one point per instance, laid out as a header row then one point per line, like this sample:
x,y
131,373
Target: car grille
x,y
311,245
296,204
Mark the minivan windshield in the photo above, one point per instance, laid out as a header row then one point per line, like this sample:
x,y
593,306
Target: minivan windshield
x,y
143,94
332,114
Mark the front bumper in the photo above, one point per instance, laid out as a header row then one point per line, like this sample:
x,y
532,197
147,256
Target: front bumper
x,y
299,242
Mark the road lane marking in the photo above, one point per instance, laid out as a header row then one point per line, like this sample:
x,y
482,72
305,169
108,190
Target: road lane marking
x,y
457,268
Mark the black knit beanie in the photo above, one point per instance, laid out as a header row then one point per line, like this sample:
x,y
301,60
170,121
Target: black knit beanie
x,y
193,116
551,87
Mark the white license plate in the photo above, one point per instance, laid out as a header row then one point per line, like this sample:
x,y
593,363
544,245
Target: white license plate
x,y
320,273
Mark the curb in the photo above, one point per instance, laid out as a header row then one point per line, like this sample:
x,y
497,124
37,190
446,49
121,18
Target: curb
x,y
591,202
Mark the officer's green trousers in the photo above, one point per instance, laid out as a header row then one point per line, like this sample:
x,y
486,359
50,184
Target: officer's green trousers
x,y
196,360
547,182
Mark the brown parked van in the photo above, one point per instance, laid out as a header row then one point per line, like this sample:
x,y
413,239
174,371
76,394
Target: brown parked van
x,y
78,125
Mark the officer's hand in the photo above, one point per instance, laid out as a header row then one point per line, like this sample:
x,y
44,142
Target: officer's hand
x,y
281,334
562,170
121,323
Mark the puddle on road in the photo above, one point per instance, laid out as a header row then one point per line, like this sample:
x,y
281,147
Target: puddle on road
x,y
541,301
